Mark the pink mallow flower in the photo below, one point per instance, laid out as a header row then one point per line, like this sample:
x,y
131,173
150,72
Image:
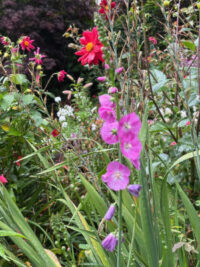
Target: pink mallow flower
x,y
3,179
117,176
38,57
101,79
107,114
109,132
61,75
129,124
26,43
107,101
152,40
119,70
110,242
112,90
131,147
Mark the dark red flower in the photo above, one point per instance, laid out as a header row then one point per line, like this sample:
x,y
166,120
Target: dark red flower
x,y
91,53
55,132
18,162
61,75
105,7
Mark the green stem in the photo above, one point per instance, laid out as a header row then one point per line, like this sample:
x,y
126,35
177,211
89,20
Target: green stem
x,y
132,239
119,228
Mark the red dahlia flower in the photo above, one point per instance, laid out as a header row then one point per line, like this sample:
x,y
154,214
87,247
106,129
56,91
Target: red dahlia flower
x,y
38,57
91,53
105,7
26,43
55,132
61,75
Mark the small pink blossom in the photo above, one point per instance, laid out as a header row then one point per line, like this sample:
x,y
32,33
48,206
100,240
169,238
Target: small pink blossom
x,y
107,101
116,176
38,57
26,43
129,124
3,179
188,123
107,67
107,114
5,41
173,143
131,147
136,163
112,90
119,70
109,133
152,40
61,75
101,79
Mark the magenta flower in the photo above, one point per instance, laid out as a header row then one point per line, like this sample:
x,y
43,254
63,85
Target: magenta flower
x,y
101,79
112,90
131,147
5,40
152,40
117,176
119,70
107,114
134,189
109,133
3,179
107,101
26,43
61,75
136,163
110,212
110,242
129,124
38,57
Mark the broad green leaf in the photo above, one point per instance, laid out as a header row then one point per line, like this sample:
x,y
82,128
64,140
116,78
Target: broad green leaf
x,y
27,99
19,79
190,45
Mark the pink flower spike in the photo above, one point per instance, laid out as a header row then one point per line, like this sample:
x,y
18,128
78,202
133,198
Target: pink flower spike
x,y
38,57
188,123
117,176
131,147
3,180
119,70
173,143
101,79
152,40
61,75
107,114
26,43
129,124
109,133
112,90
106,101
107,67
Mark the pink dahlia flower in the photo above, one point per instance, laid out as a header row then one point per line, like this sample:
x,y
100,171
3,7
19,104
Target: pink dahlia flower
x,y
3,179
38,57
109,132
107,114
107,101
117,176
105,8
26,43
131,147
129,124
61,75
5,40
91,52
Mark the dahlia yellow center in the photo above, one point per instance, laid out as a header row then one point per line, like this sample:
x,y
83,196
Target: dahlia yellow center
x,y
89,46
26,43
107,7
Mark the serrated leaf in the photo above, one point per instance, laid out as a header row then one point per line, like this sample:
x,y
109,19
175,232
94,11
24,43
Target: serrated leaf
x,y
190,45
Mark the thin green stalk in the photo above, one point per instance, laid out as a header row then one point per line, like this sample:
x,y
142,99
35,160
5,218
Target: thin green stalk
x,y
119,228
132,238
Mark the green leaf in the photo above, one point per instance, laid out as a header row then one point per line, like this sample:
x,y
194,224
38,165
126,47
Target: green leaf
x,y
27,99
10,233
7,101
158,80
19,79
190,45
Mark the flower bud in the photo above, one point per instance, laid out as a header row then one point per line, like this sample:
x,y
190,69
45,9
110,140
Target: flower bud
x,y
166,3
110,212
101,79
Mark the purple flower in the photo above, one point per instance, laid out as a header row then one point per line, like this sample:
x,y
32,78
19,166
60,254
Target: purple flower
x,y
106,101
101,79
110,212
117,176
131,147
136,163
107,114
110,242
107,67
112,90
129,124
134,189
109,132
119,70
